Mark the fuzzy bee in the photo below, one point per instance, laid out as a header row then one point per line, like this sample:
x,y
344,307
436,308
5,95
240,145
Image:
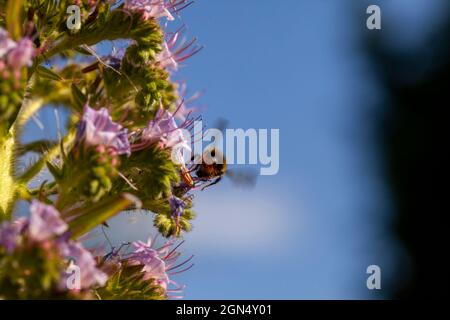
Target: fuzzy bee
x,y
211,169
206,172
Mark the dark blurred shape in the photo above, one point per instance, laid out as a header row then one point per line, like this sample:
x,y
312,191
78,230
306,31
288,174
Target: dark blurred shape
x,y
243,178
411,130
222,124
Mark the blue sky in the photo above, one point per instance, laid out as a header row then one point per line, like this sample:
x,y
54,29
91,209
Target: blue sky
x,y
311,230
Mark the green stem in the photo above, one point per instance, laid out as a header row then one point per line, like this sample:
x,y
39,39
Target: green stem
x,y
7,186
8,146
98,213
119,25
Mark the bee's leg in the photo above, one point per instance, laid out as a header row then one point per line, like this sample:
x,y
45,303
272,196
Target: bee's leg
x,y
193,168
192,164
212,183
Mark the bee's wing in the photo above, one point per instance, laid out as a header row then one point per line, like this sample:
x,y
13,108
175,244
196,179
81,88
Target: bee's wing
x,y
221,124
243,178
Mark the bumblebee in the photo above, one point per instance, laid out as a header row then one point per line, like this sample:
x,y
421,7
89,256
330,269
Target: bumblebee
x,y
208,172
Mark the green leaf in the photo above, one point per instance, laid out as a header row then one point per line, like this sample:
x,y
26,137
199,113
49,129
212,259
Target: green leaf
x,y
78,96
98,213
47,74
14,18
55,171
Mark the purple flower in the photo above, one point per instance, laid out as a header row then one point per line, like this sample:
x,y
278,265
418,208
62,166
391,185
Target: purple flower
x,y
114,60
21,55
97,128
160,127
159,264
174,53
8,236
153,8
153,265
6,44
184,111
10,233
166,59
15,55
44,222
165,130
83,259
176,206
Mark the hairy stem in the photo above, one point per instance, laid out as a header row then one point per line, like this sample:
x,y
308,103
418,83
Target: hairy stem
x,y
8,148
7,186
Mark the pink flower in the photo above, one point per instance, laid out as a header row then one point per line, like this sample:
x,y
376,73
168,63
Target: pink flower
x,y
159,264
6,44
21,55
83,259
153,265
174,53
44,222
185,109
149,8
164,130
166,59
156,8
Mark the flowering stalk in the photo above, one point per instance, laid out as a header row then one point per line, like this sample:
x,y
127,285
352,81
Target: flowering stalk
x,y
114,154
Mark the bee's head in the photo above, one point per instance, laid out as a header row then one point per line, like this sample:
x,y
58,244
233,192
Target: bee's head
x,y
212,156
